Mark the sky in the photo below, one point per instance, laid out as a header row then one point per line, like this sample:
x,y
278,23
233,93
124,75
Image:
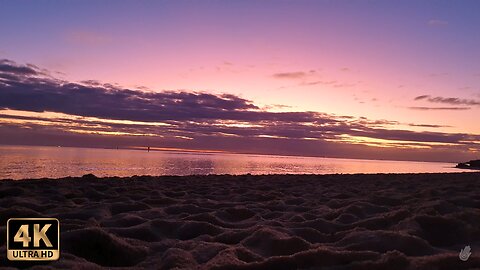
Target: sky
x,y
359,79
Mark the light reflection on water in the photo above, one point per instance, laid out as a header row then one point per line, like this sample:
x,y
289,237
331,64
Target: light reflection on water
x,y
19,162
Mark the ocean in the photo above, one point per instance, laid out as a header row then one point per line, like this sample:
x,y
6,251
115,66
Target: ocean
x,y
20,162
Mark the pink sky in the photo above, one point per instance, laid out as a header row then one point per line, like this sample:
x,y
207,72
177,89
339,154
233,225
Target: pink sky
x,y
415,66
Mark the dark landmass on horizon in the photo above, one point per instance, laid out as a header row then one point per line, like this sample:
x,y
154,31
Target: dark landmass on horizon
x,y
472,165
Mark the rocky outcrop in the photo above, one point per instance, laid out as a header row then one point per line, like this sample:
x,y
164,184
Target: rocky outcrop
x,y
472,164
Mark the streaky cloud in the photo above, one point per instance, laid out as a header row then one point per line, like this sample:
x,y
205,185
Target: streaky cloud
x,y
290,75
420,108
92,107
421,97
449,100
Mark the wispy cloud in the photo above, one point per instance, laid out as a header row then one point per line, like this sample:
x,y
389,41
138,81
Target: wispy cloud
x,y
290,75
333,83
276,106
428,125
448,100
439,108
318,82
421,97
309,78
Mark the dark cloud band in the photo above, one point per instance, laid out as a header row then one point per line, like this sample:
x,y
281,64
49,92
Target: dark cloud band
x,y
191,115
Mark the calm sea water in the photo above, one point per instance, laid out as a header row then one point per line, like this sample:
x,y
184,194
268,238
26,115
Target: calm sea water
x,y
19,162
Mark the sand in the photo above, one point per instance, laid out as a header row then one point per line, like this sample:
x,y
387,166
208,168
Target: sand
x,y
403,221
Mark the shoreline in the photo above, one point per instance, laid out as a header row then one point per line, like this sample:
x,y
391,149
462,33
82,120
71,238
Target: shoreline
x,y
341,221
159,177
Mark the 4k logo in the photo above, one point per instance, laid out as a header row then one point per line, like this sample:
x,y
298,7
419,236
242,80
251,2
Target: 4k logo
x,y
33,239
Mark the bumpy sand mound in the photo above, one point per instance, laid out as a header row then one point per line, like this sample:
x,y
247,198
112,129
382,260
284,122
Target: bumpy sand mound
x,y
255,222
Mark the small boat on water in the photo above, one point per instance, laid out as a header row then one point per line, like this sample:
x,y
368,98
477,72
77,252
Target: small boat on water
x,y
472,164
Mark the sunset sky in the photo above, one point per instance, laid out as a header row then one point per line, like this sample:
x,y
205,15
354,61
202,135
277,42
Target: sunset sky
x,y
361,79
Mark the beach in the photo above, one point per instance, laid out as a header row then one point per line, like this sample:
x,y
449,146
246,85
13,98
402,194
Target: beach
x,y
361,221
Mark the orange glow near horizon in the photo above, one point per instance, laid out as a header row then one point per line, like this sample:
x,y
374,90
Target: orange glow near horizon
x,y
390,143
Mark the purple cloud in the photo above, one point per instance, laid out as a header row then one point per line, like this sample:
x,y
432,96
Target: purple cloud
x,y
177,115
